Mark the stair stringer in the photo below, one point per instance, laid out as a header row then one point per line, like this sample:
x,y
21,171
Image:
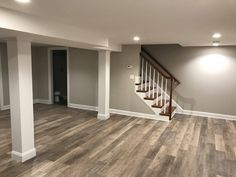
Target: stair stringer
x,y
174,103
149,103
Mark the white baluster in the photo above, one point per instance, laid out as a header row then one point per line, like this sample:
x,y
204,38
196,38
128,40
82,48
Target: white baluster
x,y
150,72
142,79
162,88
153,83
165,96
158,76
146,76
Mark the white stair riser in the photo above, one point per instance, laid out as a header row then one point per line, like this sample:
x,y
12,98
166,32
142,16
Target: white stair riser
x,y
149,103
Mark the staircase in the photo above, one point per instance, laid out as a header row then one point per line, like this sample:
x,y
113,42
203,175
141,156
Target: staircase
x,y
155,87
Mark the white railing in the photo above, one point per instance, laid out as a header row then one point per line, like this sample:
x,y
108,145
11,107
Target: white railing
x,y
149,81
155,83
157,89
146,75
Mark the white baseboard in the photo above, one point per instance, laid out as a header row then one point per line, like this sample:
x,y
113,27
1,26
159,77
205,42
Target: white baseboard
x,y
152,116
22,157
42,101
207,114
5,107
134,114
113,111
84,107
137,114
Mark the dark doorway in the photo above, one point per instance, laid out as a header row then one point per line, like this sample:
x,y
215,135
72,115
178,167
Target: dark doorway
x,y
59,58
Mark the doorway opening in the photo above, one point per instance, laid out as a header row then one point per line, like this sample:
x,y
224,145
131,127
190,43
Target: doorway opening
x,y
59,66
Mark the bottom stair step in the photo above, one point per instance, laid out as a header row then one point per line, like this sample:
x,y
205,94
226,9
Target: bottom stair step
x,y
152,97
167,113
159,105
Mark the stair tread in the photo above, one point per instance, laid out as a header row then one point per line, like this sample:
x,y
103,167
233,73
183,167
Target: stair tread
x,y
140,90
167,113
159,105
151,97
141,83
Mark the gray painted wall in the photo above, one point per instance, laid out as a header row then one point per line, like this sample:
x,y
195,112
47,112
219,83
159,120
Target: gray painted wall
x,y
84,78
5,80
83,74
203,87
123,96
34,72
40,72
207,76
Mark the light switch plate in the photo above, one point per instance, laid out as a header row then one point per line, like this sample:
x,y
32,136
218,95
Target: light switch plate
x,y
131,77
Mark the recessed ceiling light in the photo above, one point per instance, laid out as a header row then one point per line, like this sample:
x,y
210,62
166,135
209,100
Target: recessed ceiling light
x,y
216,43
216,35
23,1
136,38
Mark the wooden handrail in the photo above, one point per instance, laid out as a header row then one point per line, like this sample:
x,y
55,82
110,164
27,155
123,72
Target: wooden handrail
x,y
162,67
153,65
150,62
149,68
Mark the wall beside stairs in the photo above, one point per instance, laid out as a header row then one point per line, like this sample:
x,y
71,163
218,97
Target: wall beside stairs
x,y
123,96
84,79
207,76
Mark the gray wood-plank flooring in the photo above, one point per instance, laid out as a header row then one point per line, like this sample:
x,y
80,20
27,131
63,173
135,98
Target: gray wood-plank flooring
x,y
73,143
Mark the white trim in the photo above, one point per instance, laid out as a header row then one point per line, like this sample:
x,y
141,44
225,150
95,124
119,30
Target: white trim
x,y
180,110
115,111
68,75
136,114
154,117
42,101
103,116
50,73
50,76
149,103
140,115
84,107
207,114
22,157
1,84
5,107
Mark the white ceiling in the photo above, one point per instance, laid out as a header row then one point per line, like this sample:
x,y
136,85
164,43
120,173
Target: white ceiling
x,y
186,22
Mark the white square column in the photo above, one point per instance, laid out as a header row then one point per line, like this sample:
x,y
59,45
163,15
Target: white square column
x,y
21,99
103,85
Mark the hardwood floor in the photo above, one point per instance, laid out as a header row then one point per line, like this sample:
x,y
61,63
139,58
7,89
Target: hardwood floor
x,y
73,143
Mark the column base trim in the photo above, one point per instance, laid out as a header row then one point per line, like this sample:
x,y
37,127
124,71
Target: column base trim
x,y
103,116
5,107
22,157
